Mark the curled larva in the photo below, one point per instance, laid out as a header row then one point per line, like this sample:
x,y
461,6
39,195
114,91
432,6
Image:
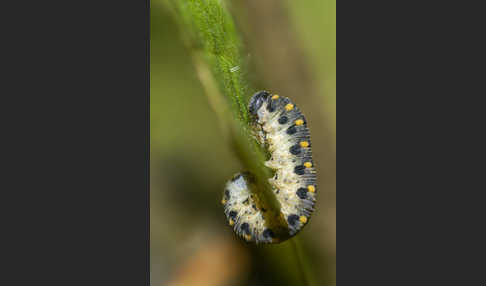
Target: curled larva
x,y
282,129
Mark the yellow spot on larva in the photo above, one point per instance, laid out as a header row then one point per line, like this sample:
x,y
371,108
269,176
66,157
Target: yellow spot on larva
x,y
299,122
223,201
247,237
303,219
289,107
311,188
231,222
304,144
275,96
308,164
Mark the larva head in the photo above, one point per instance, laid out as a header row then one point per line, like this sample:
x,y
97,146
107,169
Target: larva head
x,y
257,101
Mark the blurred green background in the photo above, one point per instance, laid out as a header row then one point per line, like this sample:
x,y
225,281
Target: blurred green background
x,y
291,50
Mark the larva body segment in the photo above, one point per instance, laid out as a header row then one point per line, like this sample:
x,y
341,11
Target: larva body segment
x,y
282,128
244,212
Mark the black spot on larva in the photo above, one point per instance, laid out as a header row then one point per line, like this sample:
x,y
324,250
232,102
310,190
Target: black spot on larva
x,y
271,106
245,202
292,219
295,150
232,214
268,233
254,207
278,191
302,193
245,227
299,170
236,178
283,120
256,101
226,194
291,130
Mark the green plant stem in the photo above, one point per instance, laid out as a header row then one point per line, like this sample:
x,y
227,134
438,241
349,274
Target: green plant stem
x,y
304,266
246,148
208,31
